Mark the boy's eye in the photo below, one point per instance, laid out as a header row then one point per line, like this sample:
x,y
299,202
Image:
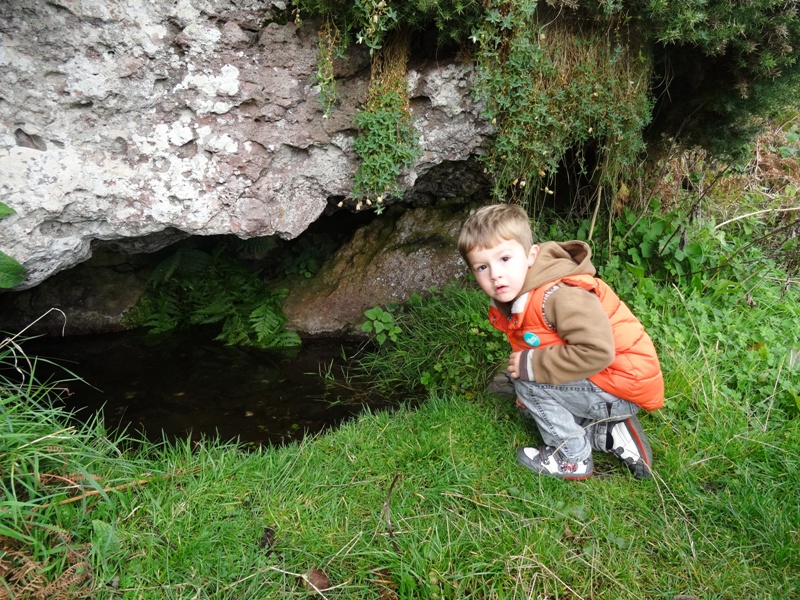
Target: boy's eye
x,y
480,267
506,258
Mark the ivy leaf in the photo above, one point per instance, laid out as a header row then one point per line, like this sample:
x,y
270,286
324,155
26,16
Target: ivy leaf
x,y
11,272
5,210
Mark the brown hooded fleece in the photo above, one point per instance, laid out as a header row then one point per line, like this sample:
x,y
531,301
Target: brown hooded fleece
x,y
571,326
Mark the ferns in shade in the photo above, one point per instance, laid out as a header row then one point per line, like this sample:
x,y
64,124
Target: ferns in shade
x,y
194,287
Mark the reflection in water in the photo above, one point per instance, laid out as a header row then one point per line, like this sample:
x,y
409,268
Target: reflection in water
x,y
180,384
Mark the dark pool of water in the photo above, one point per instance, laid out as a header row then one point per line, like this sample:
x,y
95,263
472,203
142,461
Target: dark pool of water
x,y
185,384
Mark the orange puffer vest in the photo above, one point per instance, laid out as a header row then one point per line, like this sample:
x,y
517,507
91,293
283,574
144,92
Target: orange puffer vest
x,y
635,374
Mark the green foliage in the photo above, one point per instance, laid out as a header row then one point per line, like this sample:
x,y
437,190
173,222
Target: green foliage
x,y
549,86
451,507
55,481
747,67
257,248
696,287
368,21
11,272
447,344
668,249
381,323
305,256
756,37
792,147
327,49
567,83
695,255
194,287
387,144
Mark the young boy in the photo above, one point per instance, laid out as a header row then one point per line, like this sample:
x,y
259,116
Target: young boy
x,y
581,363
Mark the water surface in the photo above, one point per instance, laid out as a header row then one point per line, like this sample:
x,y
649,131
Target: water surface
x,y
176,385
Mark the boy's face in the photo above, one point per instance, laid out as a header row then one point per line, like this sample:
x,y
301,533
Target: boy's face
x,y
501,269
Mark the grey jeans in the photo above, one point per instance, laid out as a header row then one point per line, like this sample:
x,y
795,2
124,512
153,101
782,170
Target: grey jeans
x,y
573,417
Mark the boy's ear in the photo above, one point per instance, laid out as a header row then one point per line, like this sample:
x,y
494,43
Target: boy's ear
x,y
532,254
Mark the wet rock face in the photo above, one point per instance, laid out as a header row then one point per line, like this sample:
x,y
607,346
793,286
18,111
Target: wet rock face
x,y
387,261
139,123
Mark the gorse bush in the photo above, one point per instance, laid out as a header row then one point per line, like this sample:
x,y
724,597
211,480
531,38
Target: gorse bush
x,y
574,86
550,85
369,21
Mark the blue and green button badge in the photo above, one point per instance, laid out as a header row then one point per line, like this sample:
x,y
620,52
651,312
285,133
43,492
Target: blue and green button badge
x,y
531,339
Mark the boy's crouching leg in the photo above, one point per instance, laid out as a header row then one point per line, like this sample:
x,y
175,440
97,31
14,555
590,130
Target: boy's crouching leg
x,y
628,442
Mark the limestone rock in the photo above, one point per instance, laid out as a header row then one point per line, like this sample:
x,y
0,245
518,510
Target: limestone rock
x,y
138,123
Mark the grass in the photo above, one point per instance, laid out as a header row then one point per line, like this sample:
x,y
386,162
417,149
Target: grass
x,y
462,520
428,502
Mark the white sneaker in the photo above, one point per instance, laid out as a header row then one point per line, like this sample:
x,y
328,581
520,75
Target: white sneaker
x,y
546,460
629,443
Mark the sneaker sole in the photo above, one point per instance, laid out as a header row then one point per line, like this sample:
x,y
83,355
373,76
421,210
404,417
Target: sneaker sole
x,y
639,469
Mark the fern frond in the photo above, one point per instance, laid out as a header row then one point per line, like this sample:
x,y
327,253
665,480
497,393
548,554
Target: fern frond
x,y
164,270
266,322
196,287
234,331
218,310
186,261
285,339
255,248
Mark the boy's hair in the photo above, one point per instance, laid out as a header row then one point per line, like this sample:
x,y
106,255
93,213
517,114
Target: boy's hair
x,y
491,225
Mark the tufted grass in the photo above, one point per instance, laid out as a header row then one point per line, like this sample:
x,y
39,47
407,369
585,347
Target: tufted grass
x,y
428,502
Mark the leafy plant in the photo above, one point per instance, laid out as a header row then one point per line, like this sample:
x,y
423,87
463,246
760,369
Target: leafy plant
x,y
568,84
387,144
696,287
447,344
194,287
369,21
387,141
790,150
381,323
553,84
305,256
327,48
11,272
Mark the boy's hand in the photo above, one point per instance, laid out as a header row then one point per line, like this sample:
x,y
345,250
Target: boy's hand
x,y
513,364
